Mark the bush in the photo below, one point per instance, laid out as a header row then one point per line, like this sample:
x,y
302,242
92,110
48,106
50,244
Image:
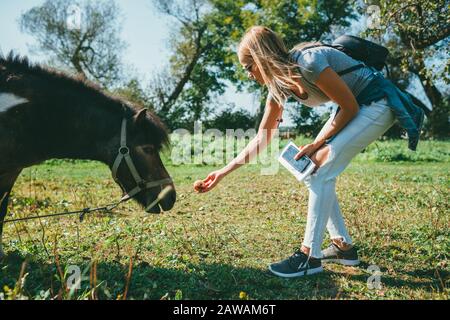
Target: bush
x,y
397,151
229,119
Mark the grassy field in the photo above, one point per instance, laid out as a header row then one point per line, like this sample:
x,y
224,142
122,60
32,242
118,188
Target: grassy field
x,y
218,245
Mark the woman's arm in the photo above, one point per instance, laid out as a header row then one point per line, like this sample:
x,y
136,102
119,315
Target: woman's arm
x,y
267,129
337,90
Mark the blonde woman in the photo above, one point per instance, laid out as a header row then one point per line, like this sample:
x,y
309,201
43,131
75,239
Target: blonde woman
x,y
310,76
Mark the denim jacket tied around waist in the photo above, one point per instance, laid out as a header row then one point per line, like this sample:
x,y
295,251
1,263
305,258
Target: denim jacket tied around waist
x,y
409,115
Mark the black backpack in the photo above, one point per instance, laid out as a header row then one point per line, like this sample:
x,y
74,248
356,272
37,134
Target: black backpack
x,y
368,52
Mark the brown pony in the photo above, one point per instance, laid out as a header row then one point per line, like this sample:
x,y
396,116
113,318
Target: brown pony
x,y
45,114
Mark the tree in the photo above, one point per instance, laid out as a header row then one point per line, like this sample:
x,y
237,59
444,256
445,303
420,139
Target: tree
x,y
81,36
229,119
418,31
182,92
133,92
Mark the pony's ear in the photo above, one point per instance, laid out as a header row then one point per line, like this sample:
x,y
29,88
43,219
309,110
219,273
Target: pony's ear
x,y
139,117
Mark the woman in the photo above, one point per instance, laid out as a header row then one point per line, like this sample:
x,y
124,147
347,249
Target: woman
x,y
310,76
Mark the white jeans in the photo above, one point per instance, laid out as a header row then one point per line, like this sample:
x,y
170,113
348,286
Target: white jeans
x,y
323,209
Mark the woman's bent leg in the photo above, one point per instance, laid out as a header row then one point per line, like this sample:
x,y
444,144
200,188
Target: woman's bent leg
x,y
336,224
368,125
321,202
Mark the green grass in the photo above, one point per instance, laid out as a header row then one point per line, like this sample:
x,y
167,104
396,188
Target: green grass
x,y
217,245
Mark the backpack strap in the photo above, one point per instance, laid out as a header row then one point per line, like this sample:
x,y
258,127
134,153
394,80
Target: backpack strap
x,y
348,70
342,72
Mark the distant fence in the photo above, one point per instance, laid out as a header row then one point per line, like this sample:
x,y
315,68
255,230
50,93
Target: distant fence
x,y
288,134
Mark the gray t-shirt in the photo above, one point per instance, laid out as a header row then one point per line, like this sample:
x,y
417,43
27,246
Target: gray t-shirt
x,y
314,60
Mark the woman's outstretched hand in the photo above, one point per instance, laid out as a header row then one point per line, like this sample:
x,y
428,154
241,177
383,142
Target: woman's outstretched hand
x,y
210,182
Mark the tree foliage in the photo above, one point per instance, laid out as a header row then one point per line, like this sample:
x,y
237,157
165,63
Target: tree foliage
x,y
307,121
183,92
230,119
82,36
417,34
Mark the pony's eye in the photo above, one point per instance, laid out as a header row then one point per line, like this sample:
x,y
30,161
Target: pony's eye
x,y
147,149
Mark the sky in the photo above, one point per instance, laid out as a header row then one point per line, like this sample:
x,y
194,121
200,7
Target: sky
x,y
145,30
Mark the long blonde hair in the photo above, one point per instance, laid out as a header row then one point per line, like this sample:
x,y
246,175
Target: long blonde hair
x,y
266,49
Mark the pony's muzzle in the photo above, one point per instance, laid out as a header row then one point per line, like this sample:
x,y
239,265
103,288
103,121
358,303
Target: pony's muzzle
x,y
165,201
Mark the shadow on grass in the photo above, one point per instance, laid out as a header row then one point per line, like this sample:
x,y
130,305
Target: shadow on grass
x,y
416,279
192,281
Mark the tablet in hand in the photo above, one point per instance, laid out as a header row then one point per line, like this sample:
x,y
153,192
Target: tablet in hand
x,y
300,168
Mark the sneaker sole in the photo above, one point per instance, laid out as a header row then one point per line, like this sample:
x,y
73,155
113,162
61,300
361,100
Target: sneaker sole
x,y
298,274
342,261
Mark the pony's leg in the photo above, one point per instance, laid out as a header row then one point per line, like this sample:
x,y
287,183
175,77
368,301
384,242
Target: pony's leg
x,y
7,181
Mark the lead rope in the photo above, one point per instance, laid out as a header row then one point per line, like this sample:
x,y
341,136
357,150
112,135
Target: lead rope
x,y
82,213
